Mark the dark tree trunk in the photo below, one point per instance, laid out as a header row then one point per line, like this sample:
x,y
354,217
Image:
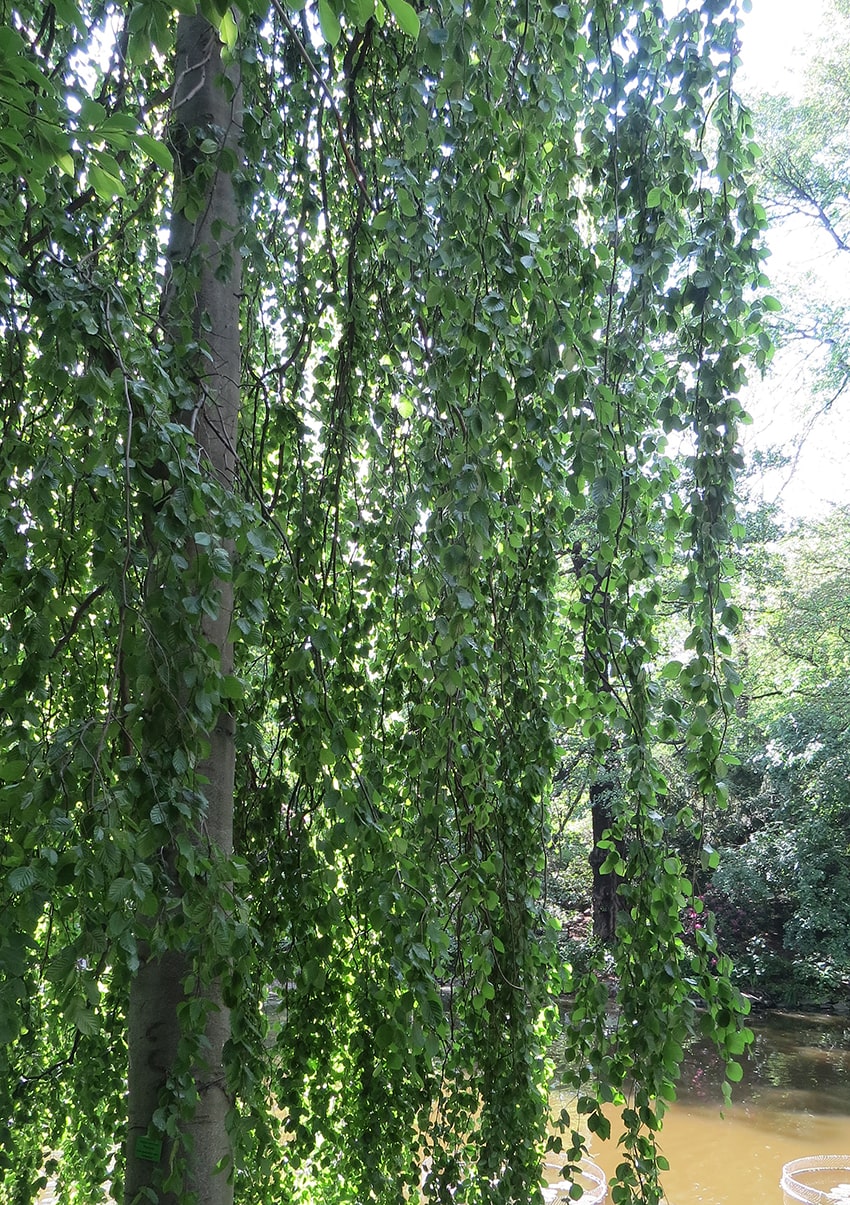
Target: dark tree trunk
x,y
604,890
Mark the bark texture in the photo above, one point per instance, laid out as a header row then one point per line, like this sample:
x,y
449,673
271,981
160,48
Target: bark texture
x,y
207,104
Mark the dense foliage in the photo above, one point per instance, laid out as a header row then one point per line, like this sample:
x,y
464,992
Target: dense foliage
x,y
781,888
491,258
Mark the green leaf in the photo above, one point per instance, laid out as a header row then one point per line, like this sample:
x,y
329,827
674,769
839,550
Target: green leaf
x,y
11,43
329,23
406,16
107,187
214,10
92,113
599,1124
360,11
228,30
157,151
653,198
21,878
118,890
385,1036
232,688
736,1043
83,1017
117,123
61,965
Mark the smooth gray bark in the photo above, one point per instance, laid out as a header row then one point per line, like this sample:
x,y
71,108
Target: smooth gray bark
x,y
204,252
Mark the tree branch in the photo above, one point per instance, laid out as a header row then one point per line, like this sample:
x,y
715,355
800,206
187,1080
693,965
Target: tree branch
x,y
325,90
791,177
77,617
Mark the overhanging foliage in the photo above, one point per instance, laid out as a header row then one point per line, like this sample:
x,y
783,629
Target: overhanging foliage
x,y
485,274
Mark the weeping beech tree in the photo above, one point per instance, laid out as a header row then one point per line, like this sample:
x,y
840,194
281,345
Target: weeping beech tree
x,y
339,352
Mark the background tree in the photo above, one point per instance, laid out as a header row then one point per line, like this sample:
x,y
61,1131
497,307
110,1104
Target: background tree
x,y
780,887
805,189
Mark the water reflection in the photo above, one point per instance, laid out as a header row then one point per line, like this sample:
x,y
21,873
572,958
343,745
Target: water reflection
x,y
794,1100
796,1060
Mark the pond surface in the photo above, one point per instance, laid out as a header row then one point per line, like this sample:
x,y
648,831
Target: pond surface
x,y
794,1100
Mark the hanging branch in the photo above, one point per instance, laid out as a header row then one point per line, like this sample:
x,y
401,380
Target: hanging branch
x,y
320,80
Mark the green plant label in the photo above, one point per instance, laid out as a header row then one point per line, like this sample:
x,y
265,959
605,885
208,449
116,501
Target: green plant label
x,y
149,1148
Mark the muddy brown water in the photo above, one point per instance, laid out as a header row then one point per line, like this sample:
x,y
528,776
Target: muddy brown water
x,y
794,1101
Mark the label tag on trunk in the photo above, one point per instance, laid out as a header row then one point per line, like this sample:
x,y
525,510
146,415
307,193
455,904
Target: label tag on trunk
x,y
149,1148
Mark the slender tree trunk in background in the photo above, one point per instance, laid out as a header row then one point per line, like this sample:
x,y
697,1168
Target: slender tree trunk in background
x,y
204,100
604,890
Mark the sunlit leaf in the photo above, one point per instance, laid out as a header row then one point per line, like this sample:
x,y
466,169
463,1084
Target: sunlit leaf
x,y
406,16
156,150
329,23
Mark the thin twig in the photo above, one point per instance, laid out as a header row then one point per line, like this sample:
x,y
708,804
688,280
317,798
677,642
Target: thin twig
x,y
78,615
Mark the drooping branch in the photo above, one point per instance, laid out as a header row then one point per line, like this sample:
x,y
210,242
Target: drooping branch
x,y
806,198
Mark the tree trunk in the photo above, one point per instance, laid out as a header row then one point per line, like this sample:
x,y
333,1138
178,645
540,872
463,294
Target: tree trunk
x,y
604,890
207,105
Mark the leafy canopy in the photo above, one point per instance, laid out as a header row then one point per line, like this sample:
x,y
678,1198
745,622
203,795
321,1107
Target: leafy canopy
x,y
493,258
